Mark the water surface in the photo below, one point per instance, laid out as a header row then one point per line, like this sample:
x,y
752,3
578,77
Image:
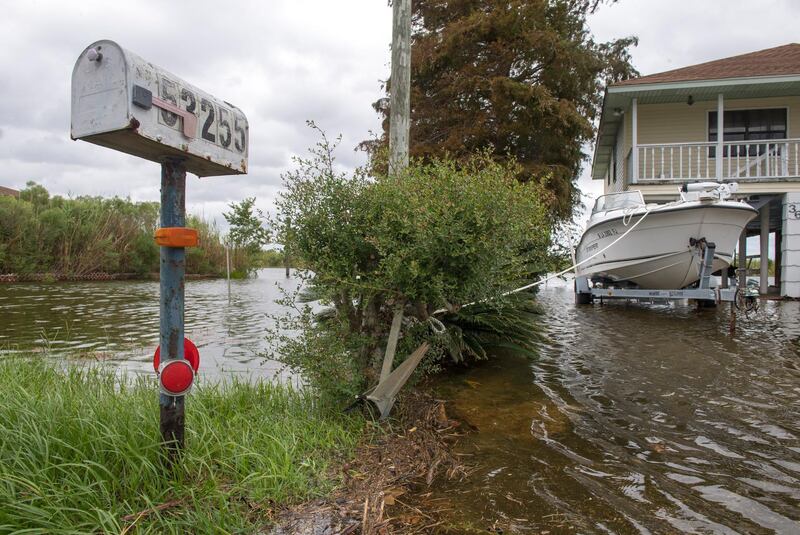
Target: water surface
x,y
636,419
117,322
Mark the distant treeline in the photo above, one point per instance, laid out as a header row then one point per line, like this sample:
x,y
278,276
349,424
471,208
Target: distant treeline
x,y
73,237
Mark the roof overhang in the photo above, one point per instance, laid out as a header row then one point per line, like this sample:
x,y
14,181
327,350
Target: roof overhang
x,y
619,97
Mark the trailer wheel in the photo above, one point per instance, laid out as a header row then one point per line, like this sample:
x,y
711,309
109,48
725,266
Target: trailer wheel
x,y
583,299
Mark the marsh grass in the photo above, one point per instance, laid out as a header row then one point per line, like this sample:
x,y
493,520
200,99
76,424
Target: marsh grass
x,y
80,452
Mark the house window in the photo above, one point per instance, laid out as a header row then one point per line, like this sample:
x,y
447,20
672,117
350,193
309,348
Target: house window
x,y
748,125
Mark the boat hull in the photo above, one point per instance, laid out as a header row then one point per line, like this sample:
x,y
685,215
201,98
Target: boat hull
x,y
657,253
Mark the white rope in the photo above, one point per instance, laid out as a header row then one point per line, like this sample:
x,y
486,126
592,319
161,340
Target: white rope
x,y
571,268
437,326
627,216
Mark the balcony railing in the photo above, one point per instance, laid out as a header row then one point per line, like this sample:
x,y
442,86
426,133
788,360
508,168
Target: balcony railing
x,y
741,160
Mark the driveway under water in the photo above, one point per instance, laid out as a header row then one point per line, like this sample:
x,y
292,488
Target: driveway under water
x,y
635,419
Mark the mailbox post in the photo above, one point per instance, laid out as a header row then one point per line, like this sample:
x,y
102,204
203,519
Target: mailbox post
x,y
172,277
125,103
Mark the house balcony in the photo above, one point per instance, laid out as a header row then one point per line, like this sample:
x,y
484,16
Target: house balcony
x,y
742,161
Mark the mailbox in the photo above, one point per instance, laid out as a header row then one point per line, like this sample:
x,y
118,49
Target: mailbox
x,y
123,102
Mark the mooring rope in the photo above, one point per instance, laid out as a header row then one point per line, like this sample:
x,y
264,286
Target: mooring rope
x,y
571,268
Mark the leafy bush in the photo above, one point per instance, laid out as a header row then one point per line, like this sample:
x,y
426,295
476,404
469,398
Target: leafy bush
x,y
438,235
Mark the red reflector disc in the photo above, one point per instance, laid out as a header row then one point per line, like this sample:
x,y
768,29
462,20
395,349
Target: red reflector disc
x,y
190,352
176,377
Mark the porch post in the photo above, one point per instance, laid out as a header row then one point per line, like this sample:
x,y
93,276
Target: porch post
x,y
634,142
720,133
764,254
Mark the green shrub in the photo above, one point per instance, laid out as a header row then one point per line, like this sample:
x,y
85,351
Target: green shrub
x,y
439,235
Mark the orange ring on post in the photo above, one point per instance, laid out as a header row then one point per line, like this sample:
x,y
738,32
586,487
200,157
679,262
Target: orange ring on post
x,y
177,237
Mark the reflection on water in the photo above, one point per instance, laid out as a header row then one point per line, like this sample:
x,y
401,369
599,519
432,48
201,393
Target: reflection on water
x,y
637,419
118,321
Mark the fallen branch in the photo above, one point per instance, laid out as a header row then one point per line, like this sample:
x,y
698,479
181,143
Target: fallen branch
x,y
157,508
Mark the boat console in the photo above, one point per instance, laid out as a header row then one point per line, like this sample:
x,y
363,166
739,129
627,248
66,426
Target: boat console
x,y
708,191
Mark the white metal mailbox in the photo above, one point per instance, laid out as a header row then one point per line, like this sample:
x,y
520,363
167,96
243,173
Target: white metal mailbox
x,y
123,102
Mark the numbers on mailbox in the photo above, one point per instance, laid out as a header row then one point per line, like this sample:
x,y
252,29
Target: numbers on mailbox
x,y
189,101
207,108
168,90
239,125
215,123
224,127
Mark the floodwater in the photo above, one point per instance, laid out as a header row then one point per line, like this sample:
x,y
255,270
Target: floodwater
x,y
635,419
117,322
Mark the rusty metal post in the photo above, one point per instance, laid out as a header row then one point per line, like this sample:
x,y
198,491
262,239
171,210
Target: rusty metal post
x,y
173,270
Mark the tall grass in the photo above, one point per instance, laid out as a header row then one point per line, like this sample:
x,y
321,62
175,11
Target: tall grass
x,y
80,452
75,237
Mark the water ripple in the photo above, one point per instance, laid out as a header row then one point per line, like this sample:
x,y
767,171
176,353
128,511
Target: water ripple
x,y
117,322
644,418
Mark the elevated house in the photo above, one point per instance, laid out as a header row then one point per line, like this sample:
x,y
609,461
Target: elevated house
x,y
660,131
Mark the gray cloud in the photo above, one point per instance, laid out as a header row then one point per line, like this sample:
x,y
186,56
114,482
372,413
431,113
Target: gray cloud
x,y
282,62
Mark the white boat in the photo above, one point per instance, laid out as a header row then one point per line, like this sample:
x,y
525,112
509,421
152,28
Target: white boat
x,y
663,249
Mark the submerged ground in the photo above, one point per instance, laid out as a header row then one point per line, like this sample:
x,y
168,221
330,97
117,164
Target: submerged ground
x,y
633,419
636,419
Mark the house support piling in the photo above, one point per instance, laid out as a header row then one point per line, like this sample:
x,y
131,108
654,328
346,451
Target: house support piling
x,y
741,272
764,253
790,246
777,254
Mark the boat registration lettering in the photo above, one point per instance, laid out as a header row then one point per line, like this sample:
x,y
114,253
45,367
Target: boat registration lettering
x,y
606,233
592,247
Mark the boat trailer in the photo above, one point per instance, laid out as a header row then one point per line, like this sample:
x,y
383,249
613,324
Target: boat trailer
x,y
741,298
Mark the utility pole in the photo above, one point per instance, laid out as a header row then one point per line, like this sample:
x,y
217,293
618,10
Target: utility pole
x,y
399,121
400,96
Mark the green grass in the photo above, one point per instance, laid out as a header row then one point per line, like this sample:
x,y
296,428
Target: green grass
x,y
80,450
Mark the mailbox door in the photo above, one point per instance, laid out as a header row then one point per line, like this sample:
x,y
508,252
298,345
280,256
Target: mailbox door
x,y
100,100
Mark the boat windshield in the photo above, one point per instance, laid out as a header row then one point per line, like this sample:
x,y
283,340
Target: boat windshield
x,y
618,201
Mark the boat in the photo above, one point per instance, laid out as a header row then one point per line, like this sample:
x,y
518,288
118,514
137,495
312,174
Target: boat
x,y
629,243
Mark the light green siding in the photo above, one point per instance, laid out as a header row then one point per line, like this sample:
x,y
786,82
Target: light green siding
x,y
681,123
667,124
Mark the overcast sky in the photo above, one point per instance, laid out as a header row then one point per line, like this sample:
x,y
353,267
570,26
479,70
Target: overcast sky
x,y
282,62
